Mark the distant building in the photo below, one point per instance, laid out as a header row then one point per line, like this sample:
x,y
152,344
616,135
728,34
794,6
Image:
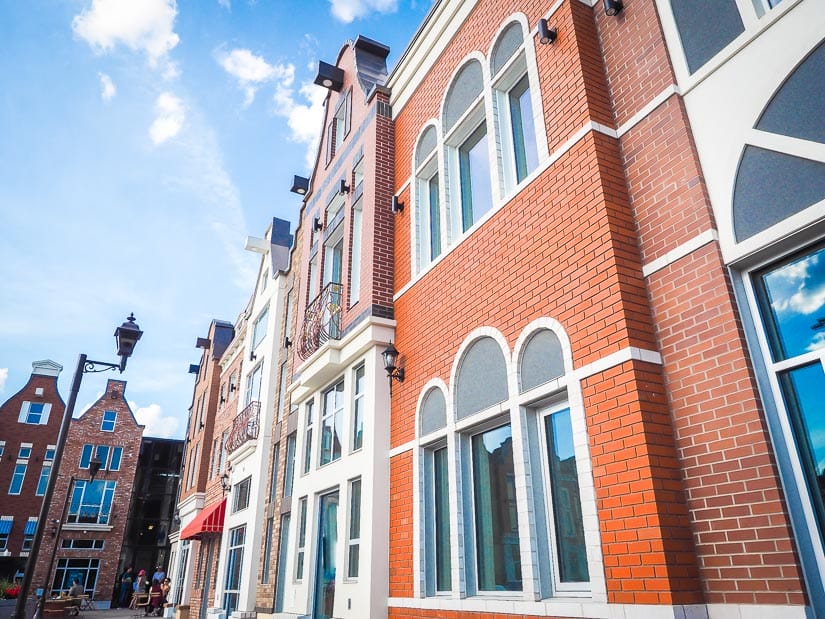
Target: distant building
x,y
29,425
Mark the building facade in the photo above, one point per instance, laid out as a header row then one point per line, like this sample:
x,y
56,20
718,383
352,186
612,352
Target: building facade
x,y
31,422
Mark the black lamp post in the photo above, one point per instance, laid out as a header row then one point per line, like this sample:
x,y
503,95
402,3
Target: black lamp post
x,y
127,335
390,356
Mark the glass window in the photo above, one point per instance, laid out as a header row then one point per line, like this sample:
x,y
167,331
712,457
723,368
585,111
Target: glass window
x,y
498,558
91,501
17,478
332,424
44,479
234,561
523,129
102,454
6,524
86,456
281,391
283,548
117,456
706,27
85,571
289,464
259,328
355,269
474,177
310,414
253,384
354,541
358,410
273,481
428,203
35,413
25,452
791,299
2,448
267,551
437,522
241,495
302,537
50,451
571,551
109,420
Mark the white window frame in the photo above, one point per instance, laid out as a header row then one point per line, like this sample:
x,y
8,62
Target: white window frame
x,y
358,406
308,463
104,421
104,509
325,415
300,553
354,542
18,477
259,327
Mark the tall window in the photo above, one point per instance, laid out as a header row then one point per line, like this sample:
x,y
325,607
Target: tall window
x,y
273,481
267,551
474,177
354,538
302,538
310,416
241,495
498,558
117,456
91,501
427,198
791,301
281,391
332,421
289,464
253,385
35,413
259,328
28,534
84,571
355,270
44,478
437,521
234,561
358,409
17,478
109,420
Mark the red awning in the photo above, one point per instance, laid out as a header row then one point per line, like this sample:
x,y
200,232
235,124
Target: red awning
x,y
209,520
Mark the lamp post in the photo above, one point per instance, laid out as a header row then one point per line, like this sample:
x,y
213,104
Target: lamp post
x,y
94,469
127,336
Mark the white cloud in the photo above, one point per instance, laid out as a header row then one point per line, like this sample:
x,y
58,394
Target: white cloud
x,y
253,71
157,424
303,118
350,10
146,26
225,4
107,87
171,114
4,375
817,342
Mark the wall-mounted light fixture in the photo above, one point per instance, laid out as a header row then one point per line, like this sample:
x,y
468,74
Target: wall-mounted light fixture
x,y
300,185
613,7
547,34
232,387
287,341
390,356
223,400
225,485
397,205
317,225
252,355
194,368
329,76
343,187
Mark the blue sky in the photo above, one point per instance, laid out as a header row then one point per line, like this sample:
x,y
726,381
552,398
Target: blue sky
x,y
142,141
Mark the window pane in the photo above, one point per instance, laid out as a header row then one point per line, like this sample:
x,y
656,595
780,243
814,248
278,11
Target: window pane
x,y
442,521
792,299
567,510
803,388
474,174
117,454
524,132
289,464
358,410
494,490
435,217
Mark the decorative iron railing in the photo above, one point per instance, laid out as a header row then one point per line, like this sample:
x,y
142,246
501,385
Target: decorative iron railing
x,y
244,427
322,320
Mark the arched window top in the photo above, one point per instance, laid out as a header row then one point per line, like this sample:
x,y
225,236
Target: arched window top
x,y
481,380
433,414
770,185
426,145
541,361
464,91
508,42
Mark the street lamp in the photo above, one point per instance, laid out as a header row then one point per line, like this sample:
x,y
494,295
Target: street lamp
x,y
127,335
94,468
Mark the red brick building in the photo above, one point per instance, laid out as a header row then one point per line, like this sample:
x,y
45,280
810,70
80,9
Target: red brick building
x,y
91,534
30,422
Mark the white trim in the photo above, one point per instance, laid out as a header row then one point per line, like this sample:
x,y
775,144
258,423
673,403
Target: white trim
x,y
648,108
763,611
679,252
617,358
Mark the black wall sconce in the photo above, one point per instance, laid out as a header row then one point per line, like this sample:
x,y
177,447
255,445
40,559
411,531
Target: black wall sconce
x,y
287,341
547,34
194,368
613,7
300,185
223,400
232,387
329,76
390,356
397,206
317,225
343,187
252,355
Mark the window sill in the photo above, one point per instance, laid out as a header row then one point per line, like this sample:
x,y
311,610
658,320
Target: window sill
x,y
82,526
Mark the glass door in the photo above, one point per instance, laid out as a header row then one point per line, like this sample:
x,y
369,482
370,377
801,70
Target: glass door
x,y
324,598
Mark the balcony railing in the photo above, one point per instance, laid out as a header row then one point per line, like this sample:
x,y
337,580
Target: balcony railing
x,y
244,427
322,320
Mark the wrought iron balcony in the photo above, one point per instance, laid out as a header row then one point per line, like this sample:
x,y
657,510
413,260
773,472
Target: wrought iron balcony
x,y
244,427
322,320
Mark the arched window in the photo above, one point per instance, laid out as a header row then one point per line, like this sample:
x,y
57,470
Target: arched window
x,y
541,360
468,156
427,198
481,381
513,106
433,412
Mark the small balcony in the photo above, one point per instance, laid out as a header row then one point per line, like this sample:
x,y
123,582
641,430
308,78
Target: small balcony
x,y
322,320
244,427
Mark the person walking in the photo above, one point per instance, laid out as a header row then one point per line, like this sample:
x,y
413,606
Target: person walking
x,y
125,587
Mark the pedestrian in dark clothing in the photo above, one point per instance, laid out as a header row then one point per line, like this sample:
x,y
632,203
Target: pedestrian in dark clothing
x,y
125,587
